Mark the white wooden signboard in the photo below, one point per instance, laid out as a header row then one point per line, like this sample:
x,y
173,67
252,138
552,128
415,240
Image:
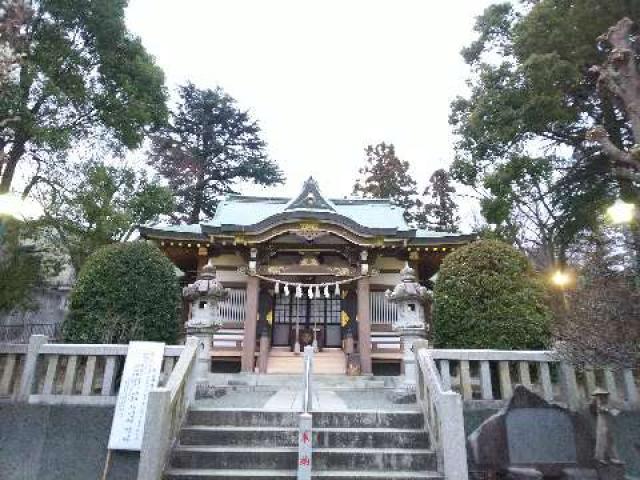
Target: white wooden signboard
x,y
141,374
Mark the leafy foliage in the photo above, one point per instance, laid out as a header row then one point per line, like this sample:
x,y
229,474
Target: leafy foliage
x,y
80,72
522,131
210,145
439,212
21,268
488,296
384,175
102,204
125,292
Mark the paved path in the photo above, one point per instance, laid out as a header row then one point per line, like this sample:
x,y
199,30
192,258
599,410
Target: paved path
x,y
288,396
289,400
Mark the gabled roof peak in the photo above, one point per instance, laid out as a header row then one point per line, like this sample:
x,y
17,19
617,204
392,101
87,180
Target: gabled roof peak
x,y
310,198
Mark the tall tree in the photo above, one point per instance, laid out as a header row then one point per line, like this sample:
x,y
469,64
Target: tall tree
x,y
384,175
96,204
439,210
13,15
209,146
21,269
533,99
80,72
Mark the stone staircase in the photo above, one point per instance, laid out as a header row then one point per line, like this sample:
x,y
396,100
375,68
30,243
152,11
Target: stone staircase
x,y
327,362
226,444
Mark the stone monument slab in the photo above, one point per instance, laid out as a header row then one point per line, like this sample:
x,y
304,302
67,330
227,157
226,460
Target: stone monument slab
x,y
540,435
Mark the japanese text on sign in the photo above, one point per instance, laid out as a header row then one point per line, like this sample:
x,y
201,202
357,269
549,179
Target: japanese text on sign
x,y
141,374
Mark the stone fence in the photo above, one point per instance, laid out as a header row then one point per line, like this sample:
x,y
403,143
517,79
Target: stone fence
x,y
485,378
51,373
166,410
450,381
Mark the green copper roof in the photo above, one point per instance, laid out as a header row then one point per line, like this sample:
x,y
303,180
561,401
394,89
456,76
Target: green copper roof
x,y
245,211
238,213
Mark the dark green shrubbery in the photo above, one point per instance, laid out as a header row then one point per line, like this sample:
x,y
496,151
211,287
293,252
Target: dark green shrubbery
x,y
488,296
124,292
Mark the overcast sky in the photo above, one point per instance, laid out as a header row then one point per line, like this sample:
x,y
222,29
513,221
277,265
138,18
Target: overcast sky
x,y
324,78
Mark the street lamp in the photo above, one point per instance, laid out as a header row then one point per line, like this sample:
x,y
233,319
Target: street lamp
x,y
12,205
621,212
561,279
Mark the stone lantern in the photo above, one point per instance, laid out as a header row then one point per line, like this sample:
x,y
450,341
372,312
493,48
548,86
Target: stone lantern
x,y
412,299
203,296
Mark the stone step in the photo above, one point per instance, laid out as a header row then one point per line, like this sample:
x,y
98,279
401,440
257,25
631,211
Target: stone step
x,y
320,382
261,418
281,458
324,363
286,352
215,474
288,437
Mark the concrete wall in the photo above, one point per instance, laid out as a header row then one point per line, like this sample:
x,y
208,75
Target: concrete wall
x,y
627,434
59,443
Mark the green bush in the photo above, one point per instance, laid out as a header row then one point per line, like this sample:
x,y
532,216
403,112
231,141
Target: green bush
x,y
124,292
488,296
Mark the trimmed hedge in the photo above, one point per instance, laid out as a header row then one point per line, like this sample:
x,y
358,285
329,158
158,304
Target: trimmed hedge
x,y
124,292
488,296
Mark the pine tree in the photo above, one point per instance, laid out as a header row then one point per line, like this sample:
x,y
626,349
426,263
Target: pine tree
x,y
209,146
384,175
439,212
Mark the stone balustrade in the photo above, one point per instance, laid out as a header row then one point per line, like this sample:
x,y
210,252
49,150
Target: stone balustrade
x,y
449,381
487,378
166,410
443,415
51,373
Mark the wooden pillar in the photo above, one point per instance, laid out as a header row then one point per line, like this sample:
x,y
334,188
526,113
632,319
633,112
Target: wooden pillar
x,y
203,258
364,327
263,358
250,322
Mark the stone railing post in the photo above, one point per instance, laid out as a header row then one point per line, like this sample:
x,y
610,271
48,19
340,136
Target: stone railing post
x,y
204,337
454,442
29,368
631,391
570,386
157,432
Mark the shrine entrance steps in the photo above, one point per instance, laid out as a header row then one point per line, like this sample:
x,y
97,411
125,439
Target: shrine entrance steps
x,y
330,361
228,444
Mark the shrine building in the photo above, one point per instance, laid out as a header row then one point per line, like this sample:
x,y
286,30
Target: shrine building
x,y
305,270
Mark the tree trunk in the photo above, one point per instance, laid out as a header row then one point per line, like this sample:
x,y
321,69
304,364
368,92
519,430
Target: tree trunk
x,y
198,197
11,162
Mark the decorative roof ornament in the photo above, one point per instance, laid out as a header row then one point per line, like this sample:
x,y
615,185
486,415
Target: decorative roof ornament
x,y
310,198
